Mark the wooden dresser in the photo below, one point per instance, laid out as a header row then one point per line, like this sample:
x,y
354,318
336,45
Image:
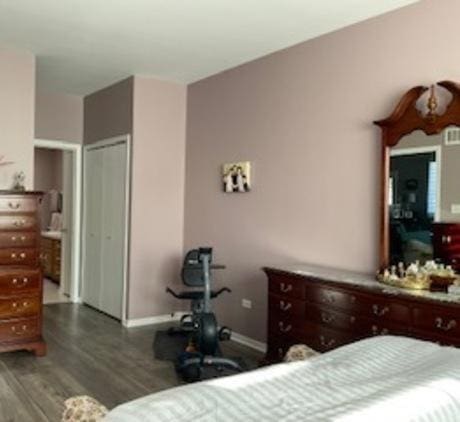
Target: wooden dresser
x,y
51,258
20,274
326,308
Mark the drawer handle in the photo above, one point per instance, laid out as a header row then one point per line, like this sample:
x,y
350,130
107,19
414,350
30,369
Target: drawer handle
x,y
15,281
285,288
380,311
13,256
376,332
22,255
17,306
327,318
284,329
446,239
19,332
14,206
14,238
329,298
19,223
285,306
326,343
445,327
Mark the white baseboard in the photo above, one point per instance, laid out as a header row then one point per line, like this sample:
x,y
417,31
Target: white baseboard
x,y
249,342
176,316
158,319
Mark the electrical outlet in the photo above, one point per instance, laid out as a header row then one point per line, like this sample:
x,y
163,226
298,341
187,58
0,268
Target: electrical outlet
x,y
246,303
455,208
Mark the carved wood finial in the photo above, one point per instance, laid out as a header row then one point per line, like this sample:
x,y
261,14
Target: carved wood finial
x,y
406,118
432,105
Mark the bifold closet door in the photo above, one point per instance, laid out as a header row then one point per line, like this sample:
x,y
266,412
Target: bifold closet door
x,y
105,227
113,229
92,274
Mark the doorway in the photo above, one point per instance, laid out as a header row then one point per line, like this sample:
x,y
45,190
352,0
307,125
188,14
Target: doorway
x,y
57,167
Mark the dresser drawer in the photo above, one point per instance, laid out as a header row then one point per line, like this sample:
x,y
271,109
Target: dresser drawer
x,y
17,281
286,306
383,309
331,297
438,321
18,239
282,285
12,204
333,318
383,328
285,325
18,222
23,256
278,345
24,306
436,338
19,329
323,339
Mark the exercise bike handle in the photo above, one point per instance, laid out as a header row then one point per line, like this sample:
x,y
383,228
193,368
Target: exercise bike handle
x,y
168,290
222,290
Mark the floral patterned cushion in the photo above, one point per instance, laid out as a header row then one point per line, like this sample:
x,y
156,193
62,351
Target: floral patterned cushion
x,y
299,352
83,409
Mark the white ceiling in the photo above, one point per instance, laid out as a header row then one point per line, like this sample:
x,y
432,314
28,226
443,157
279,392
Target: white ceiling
x,y
84,45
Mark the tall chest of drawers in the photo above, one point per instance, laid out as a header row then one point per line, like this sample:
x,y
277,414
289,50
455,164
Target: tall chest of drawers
x,y
326,309
20,274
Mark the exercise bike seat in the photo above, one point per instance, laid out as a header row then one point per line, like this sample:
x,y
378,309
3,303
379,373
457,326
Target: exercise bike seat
x,y
196,294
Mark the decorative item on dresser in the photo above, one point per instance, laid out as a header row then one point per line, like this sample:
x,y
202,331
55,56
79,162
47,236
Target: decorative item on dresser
x,y
446,243
325,308
20,274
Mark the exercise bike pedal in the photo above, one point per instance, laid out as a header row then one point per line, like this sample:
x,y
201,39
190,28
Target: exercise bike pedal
x,y
225,334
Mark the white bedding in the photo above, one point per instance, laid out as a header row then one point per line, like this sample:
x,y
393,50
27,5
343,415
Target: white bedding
x,y
380,379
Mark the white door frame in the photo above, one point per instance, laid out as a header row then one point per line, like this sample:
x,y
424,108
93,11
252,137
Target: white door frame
x,y
422,150
77,175
98,144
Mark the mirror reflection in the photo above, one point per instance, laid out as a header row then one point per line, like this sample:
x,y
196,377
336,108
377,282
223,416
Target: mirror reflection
x,y
424,198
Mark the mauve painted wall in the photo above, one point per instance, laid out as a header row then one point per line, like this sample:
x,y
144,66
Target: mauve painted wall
x,y
108,112
58,116
157,192
48,176
304,116
17,98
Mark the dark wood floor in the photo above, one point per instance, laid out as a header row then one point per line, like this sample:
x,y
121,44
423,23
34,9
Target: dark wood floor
x,y
88,353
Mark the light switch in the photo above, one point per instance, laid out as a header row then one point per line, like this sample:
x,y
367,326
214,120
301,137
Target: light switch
x,y
455,208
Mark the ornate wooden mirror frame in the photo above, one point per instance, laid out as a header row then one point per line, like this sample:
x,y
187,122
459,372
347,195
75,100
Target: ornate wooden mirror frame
x,y
404,119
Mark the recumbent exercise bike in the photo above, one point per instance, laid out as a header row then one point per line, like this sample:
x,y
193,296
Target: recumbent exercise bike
x,y
201,325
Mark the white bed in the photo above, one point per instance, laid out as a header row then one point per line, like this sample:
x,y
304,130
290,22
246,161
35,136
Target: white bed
x,y
380,379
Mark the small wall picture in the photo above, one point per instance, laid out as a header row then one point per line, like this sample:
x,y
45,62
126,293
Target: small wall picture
x,y
236,177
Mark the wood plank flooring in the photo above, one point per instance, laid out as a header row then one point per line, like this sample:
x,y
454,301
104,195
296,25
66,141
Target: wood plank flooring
x,y
88,353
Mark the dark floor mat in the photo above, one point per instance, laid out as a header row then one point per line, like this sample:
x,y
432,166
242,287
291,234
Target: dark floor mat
x,y
168,346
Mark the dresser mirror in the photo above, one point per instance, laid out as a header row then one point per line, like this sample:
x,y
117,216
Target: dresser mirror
x,y
420,180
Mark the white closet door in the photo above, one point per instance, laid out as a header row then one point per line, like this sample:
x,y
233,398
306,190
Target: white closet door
x,y
93,178
113,229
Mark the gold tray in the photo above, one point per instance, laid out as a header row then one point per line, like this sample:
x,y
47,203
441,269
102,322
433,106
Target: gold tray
x,y
410,283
